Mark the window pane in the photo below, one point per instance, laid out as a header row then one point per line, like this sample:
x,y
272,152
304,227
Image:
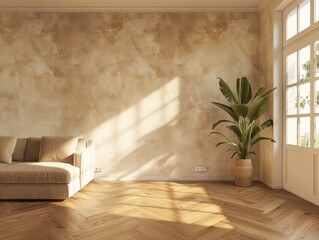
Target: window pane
x,y
304,99
291,65
317,58
291,100
316,10
304,132
291,133
317,96
316,145
304,15
304,64
291,24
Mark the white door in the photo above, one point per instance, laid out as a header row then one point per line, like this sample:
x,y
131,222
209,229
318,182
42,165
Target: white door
x,y
301,98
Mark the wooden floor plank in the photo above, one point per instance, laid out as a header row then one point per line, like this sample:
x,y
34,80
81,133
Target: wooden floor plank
x,y
163,210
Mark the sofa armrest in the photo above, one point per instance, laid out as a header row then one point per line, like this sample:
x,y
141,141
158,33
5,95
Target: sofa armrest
x,y
84,160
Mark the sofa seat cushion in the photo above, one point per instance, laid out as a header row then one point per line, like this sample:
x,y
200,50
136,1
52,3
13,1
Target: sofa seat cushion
x,y
38,172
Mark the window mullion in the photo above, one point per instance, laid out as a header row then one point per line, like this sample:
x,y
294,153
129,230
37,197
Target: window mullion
x,y
312,97
312,12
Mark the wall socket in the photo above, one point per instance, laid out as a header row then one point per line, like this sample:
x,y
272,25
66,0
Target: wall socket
x,y
98,169
200,169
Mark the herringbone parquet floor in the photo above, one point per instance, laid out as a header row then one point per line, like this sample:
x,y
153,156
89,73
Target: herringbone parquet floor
x,y
163,211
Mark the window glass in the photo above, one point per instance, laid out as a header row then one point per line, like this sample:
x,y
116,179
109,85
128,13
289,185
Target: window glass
x,y
304,15
291,66
304,98
304,132
316,144
304,64
291,133
292,102
291,24
316,10
316,47
317,96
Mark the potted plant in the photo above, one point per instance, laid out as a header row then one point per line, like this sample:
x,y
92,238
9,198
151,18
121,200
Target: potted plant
x,y
245,111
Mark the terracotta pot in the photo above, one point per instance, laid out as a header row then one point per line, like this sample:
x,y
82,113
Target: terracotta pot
x,y
243,172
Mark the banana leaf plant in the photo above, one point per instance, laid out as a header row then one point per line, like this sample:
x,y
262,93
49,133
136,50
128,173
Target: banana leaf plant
x,y
245,110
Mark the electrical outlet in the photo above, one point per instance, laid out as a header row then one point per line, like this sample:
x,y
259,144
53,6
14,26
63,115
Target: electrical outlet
x,y
200,169
98,169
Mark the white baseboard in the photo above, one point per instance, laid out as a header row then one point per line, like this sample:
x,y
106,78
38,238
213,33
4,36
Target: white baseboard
x,y
159,179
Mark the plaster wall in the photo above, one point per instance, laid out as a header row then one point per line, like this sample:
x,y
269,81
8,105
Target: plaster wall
x,y
140,84
271,158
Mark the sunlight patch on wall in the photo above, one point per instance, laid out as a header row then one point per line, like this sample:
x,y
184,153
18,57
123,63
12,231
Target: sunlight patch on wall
x,y
125,132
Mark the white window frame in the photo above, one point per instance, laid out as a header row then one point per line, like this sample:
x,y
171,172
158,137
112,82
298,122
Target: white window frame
x,y
287,51
313,25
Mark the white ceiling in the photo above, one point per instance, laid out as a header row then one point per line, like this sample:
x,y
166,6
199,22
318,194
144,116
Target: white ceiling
x,y
133,5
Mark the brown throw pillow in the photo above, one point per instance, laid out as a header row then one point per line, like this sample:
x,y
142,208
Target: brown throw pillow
x,y
19,150
57,149
7,145
32,150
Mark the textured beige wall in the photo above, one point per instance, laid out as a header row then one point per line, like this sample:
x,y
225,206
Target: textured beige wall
x,y
139,84
266,79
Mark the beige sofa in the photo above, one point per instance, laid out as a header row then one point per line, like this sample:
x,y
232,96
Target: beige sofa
x,y
39,170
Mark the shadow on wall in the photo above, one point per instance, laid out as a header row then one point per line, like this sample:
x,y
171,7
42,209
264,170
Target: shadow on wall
x,y
140,84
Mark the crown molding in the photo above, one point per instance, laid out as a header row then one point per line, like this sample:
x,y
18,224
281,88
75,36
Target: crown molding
x,y
126,9
131,5
263,4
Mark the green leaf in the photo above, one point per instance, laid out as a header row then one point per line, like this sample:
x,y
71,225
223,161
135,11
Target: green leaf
x,y
257,108
221,121
226,91
267,123
218,133
257,129
243,90
263,93
227,109
241,110
259,92
262,139
252,153
230,149
235,129
222,143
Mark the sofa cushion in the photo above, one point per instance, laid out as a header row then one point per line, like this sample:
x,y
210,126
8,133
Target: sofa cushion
x,y
57,149
44,172
19,150
7,145
32,150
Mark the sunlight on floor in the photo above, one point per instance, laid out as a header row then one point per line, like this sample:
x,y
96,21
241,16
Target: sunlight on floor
x,y
164,204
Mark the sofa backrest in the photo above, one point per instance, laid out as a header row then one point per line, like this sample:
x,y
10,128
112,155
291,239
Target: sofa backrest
x,y
27,149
